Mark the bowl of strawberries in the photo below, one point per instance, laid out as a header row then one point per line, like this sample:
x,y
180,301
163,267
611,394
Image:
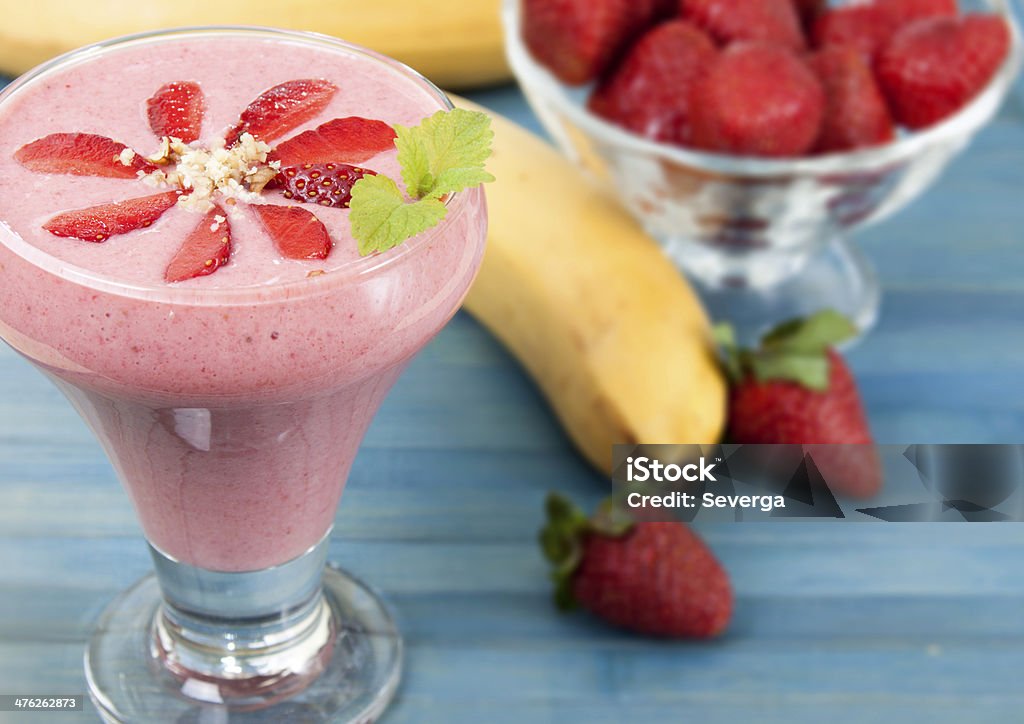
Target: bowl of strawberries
x,y
750,137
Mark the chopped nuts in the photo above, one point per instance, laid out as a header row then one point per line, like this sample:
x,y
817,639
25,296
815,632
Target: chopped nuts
x,y
239,172
127,157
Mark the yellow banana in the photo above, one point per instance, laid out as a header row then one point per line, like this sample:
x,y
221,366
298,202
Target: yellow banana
x,y
615,338
455,44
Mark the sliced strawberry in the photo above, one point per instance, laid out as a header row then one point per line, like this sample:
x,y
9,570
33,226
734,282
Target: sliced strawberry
x,y
326,184
80,154
296,232
282,108
204,251
176,110
99,223
343,140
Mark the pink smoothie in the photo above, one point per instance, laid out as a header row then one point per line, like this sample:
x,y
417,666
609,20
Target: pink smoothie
x,y
231,405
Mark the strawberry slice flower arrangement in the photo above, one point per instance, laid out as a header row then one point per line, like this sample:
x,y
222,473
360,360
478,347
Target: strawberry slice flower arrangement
x,y
445,154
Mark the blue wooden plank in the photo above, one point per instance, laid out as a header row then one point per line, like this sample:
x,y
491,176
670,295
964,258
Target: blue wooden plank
x,y
55,612
915,567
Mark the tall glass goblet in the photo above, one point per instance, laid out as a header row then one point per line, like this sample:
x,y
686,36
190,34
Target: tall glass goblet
x,y
232,417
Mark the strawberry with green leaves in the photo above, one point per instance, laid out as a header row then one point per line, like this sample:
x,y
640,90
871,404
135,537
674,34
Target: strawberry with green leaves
x,y
795,389
656,579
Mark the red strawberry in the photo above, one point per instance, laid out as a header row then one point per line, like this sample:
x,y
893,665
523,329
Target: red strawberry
x,y
904,12
796,390
99,223
809,10
757,100
657,579
296,232
342,140
773,21
578,40
176,110
864,27
282,108
856,115
204,251
80,154
933,68
658,9
868,27
649,94
326,184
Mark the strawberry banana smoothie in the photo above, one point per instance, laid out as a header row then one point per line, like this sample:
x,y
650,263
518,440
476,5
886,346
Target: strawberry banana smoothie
x,y
181,252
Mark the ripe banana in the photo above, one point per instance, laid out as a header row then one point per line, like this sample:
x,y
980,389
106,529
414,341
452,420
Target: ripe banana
x,y
617,341
455,44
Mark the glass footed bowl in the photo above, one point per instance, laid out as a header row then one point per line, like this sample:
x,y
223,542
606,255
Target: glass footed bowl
x,y
764,239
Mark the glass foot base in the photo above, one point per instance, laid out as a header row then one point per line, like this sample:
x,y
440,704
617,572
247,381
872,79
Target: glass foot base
x,y
839,278
129,683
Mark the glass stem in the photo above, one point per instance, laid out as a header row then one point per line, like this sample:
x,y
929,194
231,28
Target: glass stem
x,y
231,636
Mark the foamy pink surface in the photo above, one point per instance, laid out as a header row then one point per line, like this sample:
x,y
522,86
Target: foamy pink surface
x,y
231,405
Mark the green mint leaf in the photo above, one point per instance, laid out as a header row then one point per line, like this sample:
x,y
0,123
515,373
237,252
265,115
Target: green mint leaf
x,y
412,156
381,219
446,153
458,179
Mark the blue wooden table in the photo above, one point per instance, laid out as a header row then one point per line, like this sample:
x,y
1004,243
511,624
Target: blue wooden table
x,y
838,623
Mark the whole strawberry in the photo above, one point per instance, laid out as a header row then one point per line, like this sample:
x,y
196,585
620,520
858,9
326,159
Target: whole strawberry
x,y
795,389
904,12
933,68
772,21
856,114
869,26
650,92
809,10
757,100
657,579
578,40
864,27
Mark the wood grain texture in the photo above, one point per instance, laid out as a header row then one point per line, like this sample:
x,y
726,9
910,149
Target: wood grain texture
x,y
839,623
